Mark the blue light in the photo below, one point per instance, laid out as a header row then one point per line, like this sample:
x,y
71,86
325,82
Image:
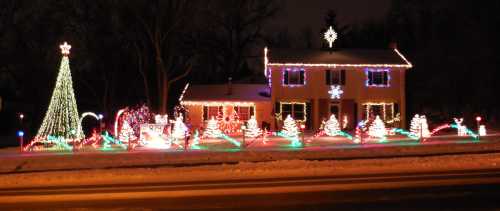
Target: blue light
x,y
20,133
100,116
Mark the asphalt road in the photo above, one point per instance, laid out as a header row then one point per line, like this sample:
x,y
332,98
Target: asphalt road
x,y
457,190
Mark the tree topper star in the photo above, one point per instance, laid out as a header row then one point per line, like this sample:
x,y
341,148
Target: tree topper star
x,y
65,48
330,36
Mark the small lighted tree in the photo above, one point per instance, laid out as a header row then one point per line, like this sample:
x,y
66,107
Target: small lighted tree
x,y
212,130
127,133
425,127
180,129
415,125
377,128
332,126
419,126
290,128
253,129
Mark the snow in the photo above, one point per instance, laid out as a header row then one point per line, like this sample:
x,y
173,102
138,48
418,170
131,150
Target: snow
x,y
250,170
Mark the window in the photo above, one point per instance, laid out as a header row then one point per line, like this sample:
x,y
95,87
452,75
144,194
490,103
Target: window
x,y
244,112
294,76
296,110
211,111
386,111
377,77
335,77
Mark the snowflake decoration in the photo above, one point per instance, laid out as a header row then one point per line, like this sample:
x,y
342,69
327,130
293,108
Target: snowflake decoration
x,y
330,36
335,92
65,48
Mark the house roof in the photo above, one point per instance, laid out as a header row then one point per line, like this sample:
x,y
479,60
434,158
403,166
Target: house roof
x,y
219,92
337,57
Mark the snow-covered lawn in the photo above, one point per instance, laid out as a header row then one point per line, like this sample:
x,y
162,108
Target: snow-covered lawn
x,y
224,152
250,170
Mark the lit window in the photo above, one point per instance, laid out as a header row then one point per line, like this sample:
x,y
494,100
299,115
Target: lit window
x,y
211,111
296,110
294,76
377,77
244,112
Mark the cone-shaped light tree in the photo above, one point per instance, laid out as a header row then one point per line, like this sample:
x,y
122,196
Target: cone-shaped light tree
x,y
212,130
377,128
290,128
332,126
61,119
253,129
180,129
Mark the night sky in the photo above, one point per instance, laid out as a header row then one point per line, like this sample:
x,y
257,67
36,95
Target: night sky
x,y
297,14
452,44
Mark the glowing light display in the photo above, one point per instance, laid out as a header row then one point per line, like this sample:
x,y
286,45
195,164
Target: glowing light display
x,y
252,129
212,130
332,126
482,130
377,128
330,36
335,92
419,126
290,128
61,120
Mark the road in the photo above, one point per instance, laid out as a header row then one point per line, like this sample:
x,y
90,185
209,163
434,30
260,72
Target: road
x,y
457,190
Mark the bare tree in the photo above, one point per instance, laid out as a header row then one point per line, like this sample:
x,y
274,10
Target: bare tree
x,y
162,23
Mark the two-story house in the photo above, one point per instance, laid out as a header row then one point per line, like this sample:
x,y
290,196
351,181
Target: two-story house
x,y
310,85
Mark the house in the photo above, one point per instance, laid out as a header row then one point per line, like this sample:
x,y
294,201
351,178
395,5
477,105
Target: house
x,y
353,84
204,102
310,85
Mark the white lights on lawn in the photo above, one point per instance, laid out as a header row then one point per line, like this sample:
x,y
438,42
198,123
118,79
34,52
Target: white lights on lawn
x,y
330,36
335,92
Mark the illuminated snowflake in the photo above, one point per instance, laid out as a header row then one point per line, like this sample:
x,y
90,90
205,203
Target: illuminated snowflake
x,y
330,36
335,92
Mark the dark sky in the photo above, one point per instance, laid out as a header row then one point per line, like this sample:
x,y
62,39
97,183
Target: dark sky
x,y
300,13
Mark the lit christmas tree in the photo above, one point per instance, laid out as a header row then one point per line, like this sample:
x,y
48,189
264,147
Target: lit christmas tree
x,y
212,130
180,129
253,129
332,126
377,128
61,119
415,125
419,126
425,127
127,133
290,128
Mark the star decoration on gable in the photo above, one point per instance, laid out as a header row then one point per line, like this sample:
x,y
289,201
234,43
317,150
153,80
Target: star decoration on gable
x,y
65,48
335,92
330,36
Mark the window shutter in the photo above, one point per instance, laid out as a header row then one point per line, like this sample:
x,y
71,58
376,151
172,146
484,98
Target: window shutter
x,y
277,107
328,77
386,77
205,113
370,78
302,74
342,77
252,110
285,77
396,108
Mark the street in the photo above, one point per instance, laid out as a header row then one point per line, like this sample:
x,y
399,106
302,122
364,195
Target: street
x,y
462,190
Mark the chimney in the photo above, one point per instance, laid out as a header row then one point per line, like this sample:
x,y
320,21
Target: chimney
x,y
229,86
393,45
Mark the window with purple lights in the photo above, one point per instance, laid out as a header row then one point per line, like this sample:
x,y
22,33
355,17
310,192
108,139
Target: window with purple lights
x,y
294,76
377,77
